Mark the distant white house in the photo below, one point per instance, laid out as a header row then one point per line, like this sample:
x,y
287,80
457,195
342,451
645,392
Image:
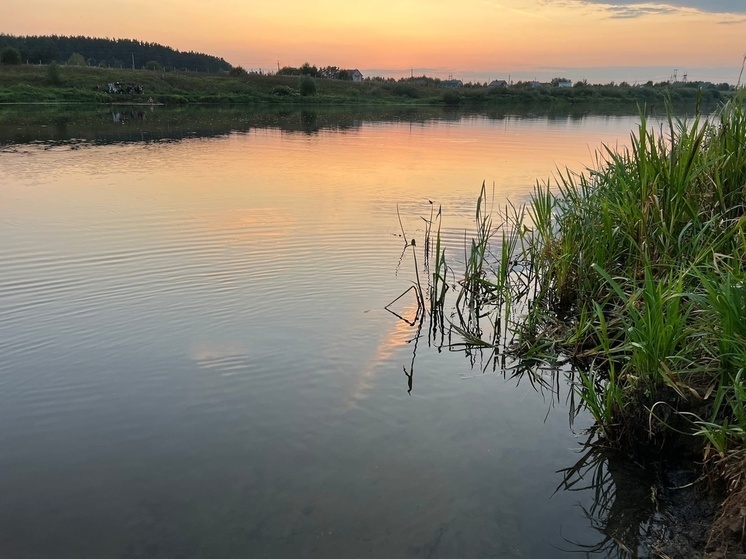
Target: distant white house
x,y
564,83
451,83
498,83
355,75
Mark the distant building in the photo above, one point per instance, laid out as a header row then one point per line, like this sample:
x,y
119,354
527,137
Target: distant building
x,y
355,75
498,83
451,83
564,83
536,84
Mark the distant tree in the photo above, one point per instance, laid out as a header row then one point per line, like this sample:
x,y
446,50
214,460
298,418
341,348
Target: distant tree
x,y
153,65
343,75
330,72
307,86
76,59
288,71
556,81
308,70
44,51
237,71
10,56
108,52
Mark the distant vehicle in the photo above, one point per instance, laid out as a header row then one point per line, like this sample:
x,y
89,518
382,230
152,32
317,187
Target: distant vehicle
x,y
130,89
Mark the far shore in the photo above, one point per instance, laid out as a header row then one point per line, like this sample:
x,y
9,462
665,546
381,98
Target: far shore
x,y
41,84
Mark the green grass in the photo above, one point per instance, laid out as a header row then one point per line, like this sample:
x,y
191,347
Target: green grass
x,y
633,271
643,256
630,280
33,83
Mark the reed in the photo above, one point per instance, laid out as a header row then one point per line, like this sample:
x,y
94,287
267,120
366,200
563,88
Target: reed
x,y
439,284
642,262
634,271
475,289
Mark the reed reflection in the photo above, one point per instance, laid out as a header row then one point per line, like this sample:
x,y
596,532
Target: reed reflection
x,y
496,286
624,510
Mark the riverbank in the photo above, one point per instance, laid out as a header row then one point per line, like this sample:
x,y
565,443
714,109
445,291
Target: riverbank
x,y
72,84
633,275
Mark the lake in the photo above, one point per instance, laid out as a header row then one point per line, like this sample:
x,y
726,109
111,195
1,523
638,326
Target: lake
x,y
197,361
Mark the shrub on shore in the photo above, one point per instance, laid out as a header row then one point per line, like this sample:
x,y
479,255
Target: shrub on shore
x,y
307,85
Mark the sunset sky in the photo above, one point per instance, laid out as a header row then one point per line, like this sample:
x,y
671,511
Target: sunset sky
x,y
599,40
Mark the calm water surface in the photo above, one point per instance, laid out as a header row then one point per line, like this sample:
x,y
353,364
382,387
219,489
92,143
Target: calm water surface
x,y
195,359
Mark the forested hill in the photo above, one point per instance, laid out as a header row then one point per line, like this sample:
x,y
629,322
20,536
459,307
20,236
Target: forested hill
x,y
111,53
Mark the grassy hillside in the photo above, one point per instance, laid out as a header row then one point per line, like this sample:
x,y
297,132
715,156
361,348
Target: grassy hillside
x,y
72,84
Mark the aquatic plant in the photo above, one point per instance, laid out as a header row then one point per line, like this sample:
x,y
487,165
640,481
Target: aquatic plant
x,y
633,273
644,256
630,278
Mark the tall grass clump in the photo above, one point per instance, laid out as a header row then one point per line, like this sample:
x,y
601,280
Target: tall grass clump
x,y
640,268
635,272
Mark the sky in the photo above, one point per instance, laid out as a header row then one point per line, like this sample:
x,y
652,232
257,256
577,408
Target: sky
x,y
471,40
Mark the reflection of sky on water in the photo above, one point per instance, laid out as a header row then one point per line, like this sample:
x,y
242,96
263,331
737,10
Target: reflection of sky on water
x,y
197,359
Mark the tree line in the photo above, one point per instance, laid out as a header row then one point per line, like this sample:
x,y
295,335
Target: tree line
x,y
105,52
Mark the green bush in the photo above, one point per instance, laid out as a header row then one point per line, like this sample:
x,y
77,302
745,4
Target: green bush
x,y
10,56
283,90
307,86
451,98
406,90
153,65
76,59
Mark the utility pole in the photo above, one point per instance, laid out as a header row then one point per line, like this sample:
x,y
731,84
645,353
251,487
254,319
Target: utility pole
x,y
133,60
